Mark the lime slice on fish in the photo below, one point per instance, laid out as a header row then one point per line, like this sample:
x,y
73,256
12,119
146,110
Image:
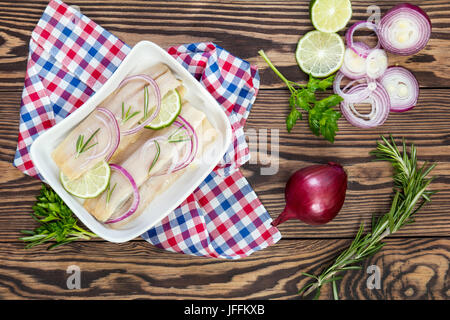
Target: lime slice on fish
x,y
319,53
330,15
91,184
170,109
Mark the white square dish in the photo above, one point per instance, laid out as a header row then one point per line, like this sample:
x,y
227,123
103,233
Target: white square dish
x,y
143,55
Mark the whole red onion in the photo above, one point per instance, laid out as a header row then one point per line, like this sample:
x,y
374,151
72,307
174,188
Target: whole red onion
x,y
314,194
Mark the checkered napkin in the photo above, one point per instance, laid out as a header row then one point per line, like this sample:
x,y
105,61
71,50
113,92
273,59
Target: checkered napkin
x,y
71,57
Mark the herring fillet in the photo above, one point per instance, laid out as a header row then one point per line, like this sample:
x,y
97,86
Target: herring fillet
x,y
155,186
139,158
64,154
132,138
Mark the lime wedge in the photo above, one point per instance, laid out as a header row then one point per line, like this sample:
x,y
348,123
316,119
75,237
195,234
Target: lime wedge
x,y
330,15
89,185
170,109
319,53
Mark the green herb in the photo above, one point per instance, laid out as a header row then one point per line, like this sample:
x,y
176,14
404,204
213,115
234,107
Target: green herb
x,y
175,137
109,192
158,151
57,222
322,117
410,194
128,115
145,102
82,146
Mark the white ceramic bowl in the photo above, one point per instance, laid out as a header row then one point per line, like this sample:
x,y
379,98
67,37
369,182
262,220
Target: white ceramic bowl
x,y
143,55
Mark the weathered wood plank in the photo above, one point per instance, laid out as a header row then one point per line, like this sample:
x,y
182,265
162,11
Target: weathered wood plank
x,y
242,27
370,182
409,269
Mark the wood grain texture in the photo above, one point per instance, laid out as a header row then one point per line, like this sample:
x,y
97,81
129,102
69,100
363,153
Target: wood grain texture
x,y
370,183
243,27
409,269
415,262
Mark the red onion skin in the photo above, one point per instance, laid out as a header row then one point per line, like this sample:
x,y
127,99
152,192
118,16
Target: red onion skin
x,y
412,7
314,194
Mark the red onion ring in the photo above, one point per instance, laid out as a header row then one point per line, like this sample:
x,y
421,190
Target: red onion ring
x,y
376,63
114,135
147,144
395,76
136,195
188,151
353,96
191,149
378,98
155,86
115,127
417,19
349,37
346,68
193,146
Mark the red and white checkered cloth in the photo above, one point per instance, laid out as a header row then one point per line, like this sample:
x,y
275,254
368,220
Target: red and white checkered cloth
x,y
71,57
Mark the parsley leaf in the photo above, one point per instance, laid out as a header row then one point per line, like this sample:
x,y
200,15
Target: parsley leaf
x,y
292,118
322,118
57,222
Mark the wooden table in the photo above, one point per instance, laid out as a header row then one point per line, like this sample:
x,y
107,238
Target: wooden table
x,y
414,264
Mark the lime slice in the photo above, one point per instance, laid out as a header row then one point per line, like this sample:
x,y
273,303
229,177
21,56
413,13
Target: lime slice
x,y
170,109
330,15
319,53
90,184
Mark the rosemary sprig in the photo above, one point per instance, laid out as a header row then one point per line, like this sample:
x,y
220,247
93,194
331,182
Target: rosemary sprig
x,y
109,192
57,222
145,102
155,159
82,146
128,115
410,194
175,137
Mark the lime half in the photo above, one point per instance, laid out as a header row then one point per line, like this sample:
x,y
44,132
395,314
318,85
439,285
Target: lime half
x,y
170,109
319,53
330,15
89,185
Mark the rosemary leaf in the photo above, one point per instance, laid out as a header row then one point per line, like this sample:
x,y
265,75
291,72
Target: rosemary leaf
x,y
146,102
82,146
109,192
155,159
128,115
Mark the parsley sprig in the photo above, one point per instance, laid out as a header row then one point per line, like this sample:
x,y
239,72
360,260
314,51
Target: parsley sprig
x,y
411,193
57,222
322,117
